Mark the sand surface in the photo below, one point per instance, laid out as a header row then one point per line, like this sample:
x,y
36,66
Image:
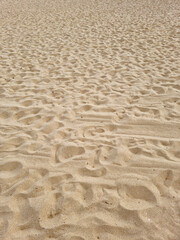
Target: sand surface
x,y
89,120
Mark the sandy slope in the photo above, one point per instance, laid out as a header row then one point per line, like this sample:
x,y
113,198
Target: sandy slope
x,y
89,120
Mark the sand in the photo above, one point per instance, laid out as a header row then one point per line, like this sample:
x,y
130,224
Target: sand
x,y
89,120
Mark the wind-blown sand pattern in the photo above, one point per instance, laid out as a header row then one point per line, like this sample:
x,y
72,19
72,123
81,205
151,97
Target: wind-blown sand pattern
x,y
89,120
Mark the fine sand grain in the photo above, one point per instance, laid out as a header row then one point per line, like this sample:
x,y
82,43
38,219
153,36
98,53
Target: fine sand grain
x,y
89,120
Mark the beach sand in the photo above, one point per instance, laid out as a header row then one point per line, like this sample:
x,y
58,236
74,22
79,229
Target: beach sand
x,y
89,120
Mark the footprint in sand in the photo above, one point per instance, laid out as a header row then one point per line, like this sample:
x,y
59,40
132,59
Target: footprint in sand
x,y
137,192
69,152
10,170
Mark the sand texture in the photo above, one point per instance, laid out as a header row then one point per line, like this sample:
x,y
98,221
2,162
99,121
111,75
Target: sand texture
x,y
89,120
